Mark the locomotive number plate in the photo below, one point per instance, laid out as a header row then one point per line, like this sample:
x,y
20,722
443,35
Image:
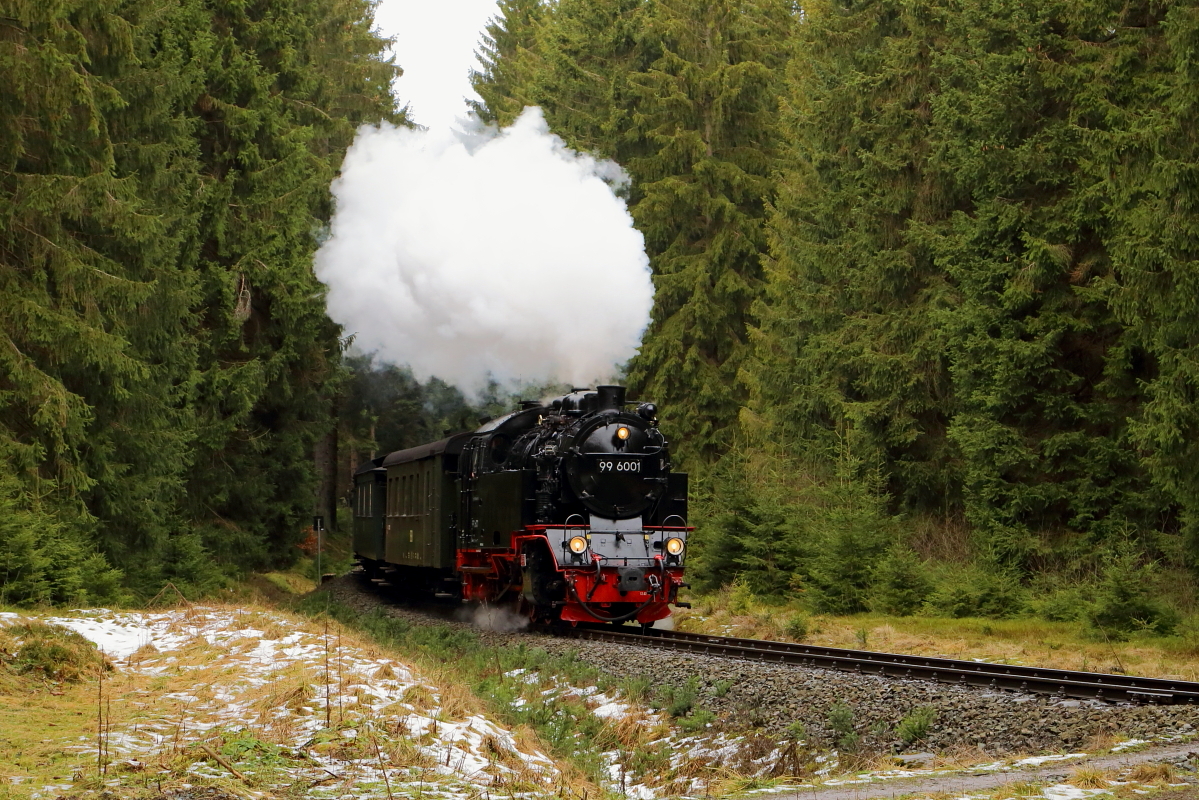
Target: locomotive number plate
x,y
619,465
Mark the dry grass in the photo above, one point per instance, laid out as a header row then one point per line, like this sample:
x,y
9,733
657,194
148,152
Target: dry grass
x,y
1102,741
1153,772
1085,777
962,757
419,697
1017,789
628,733
290,582
732,783
456,698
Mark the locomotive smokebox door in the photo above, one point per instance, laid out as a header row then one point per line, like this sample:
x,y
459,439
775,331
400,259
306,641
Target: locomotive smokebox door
x,y
632,579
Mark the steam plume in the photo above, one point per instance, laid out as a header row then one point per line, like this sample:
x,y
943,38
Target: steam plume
x,y
485,254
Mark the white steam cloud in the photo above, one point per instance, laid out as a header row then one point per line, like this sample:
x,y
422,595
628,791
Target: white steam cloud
x,y
499,254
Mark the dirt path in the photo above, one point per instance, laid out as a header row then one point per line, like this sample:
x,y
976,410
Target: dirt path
x,y
967,782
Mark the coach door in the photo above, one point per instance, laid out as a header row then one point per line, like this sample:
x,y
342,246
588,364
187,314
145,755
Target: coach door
x,y
412,513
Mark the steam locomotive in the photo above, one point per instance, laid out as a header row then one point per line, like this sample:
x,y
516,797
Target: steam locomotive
x,y
570,509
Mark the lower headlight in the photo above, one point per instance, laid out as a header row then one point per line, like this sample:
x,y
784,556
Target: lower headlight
x,y
577,544
674,546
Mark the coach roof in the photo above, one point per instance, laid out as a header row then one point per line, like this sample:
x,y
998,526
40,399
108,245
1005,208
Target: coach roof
x,y
450,446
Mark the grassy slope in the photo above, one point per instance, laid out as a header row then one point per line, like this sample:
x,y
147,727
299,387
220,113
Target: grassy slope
x,y
49,734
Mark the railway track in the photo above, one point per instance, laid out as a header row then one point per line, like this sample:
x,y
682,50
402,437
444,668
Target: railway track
x,y
1039,680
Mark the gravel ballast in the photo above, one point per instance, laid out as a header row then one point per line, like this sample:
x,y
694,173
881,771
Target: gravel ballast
x,y
748,695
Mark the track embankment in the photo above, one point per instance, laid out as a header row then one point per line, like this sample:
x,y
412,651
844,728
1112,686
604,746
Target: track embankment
x,y
782,699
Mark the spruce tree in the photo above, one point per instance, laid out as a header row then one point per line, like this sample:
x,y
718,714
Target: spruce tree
x,y
1030,101
847,359
1154,277
706,110
166,166
286,85
508,58
97,358
588,51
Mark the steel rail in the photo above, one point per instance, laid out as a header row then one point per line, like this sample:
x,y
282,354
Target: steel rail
x,y
1059,682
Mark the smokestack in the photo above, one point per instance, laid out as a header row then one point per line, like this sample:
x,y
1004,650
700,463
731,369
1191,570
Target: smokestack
x,y
610,397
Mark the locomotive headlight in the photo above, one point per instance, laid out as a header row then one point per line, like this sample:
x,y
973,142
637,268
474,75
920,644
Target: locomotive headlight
x,y
622,433
577,545
674,546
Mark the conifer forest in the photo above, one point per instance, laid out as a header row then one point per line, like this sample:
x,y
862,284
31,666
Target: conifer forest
x,y
925,328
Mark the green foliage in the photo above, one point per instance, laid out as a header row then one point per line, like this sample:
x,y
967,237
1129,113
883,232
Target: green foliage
x,y
978,592
978,226
915,726
705,109
848,543
680,703
1152,242
697,720
384,407
164,165
846,357
1063,605
841,725
957,288
95,358
796,627
638,688
46,556
285,89
900,582
574,59
778,525
1125,600
678,700
741,535
243,747
504,79
741,597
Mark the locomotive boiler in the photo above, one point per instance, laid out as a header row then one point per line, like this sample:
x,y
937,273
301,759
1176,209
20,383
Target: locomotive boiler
x,y
568,508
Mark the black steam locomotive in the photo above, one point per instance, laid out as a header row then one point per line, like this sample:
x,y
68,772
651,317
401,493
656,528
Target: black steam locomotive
x,y
570,509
